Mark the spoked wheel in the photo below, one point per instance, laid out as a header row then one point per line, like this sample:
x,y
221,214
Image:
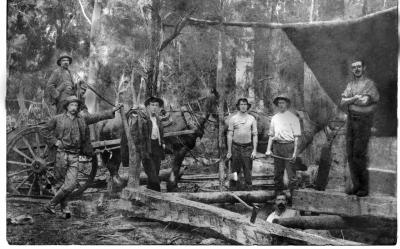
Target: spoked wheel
x,y
30,165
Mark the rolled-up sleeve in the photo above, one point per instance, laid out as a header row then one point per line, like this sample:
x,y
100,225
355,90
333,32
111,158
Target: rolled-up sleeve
x,y
295,125
372,91
347,92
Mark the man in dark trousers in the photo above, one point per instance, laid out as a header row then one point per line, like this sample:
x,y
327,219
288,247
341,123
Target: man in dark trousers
x,y
147,133
61,83
242,143
69,133
284,132
359,99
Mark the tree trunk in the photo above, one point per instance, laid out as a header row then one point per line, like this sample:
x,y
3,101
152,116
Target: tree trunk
x,y
132,87
221,75
93,56
154,53
21,101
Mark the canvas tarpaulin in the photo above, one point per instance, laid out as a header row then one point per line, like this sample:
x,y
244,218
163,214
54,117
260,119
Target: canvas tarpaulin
x,y
329,47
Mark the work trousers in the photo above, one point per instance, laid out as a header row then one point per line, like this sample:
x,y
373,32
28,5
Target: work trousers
x,y
66,176
357,138
151,166
241,159
284,150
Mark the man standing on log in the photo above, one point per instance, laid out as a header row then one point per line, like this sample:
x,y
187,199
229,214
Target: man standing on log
x,y
360,99
284,132
147,132
242,143
61,83
69,133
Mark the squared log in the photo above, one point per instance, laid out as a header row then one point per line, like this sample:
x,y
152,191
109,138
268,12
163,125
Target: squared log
x,y
345,205
150,204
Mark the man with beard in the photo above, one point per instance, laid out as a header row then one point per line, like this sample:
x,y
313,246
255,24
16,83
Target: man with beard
x,y
61,83
360,99
242,143
69,133
281,210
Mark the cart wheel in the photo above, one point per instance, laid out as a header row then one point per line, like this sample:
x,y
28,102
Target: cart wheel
x,y
30,165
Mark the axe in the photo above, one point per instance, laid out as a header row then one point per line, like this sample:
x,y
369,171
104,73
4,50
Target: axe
x,y
254,208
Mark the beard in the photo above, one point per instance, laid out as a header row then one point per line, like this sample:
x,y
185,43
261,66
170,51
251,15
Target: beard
x,y
281,206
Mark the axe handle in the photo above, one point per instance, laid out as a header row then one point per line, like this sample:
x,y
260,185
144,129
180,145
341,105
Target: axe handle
x,y
275,156
241,201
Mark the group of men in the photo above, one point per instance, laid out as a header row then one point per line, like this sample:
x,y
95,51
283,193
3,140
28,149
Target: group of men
x,y
68,132
359,100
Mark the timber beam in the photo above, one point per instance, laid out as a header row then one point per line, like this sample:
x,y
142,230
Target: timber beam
x,y
144,203
330,222
345,205
259,196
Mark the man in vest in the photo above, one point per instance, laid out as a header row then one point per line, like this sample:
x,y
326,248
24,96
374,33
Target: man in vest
x,y
359,99
69,133
61,83
148,134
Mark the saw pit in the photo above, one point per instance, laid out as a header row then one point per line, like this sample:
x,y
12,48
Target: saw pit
x,y
98,218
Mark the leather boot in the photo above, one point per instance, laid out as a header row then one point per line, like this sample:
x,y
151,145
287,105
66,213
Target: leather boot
x,y
65,209
50,207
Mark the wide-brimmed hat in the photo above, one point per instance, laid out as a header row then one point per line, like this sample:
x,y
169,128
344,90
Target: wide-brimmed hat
x,y
243,100
283,97
71,99
154,99
62,56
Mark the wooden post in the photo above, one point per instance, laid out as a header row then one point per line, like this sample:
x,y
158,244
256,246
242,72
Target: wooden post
x,y
221,91
134,158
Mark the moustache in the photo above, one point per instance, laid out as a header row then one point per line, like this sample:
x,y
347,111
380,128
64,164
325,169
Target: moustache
x,y
281,206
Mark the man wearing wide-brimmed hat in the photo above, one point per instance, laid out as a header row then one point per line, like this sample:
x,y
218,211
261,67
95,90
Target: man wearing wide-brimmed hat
x,y
147,132
69,133
61,83
284,132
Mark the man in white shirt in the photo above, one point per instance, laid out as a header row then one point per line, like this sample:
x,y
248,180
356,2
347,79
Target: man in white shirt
x,y
281,211
283,134
242,142
147,132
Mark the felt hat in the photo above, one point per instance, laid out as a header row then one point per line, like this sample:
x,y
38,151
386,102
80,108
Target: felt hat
x,y
154,99
71,99
62,56
283,97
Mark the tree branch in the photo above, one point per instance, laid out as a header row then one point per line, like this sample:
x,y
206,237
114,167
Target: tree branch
x,y
84,14
177,31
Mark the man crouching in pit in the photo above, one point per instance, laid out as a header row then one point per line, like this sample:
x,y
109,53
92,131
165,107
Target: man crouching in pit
x,y
147,133
242,130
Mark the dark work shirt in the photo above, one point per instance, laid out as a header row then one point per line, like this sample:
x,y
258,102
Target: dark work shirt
x,y
60,84
69,130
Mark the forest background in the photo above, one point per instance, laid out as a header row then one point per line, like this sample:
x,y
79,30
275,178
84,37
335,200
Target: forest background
x,y
149,47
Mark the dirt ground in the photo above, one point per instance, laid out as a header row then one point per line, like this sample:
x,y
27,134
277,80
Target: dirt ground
x,y
105,227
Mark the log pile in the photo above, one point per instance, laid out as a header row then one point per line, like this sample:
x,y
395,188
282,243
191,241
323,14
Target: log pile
x,y
144,203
